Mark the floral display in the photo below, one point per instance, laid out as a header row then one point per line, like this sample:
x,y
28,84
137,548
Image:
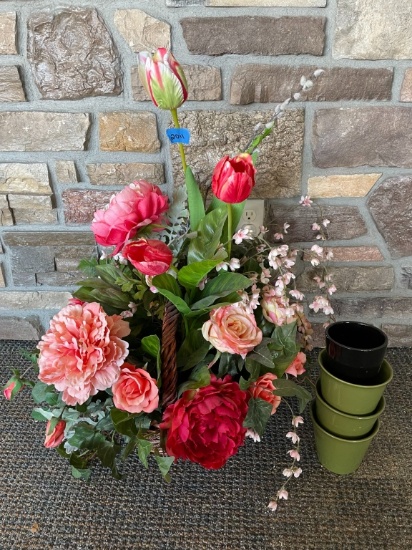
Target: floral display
x,y
188,332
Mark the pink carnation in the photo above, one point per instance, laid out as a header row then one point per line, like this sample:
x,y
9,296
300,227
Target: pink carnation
x,y
136,206
232,329
296,367
82,351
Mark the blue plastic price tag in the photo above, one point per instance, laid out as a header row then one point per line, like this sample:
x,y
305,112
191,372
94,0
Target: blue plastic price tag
x,y
178,135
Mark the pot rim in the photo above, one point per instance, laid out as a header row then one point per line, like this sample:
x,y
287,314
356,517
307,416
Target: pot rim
x,y
368,436
358,323
351,384
378,411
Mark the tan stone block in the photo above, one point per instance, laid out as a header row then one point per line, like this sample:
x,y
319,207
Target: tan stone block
x,y
6,217
23,216
204,84
30,202
25,178
214,135
2,281
66,171
67,264
41,131
353,279
406,90
80,205
11,88
125,173
8,33
128,131
400,336
14,328
141,31
33,300
345,185
49,238
267,3
373,29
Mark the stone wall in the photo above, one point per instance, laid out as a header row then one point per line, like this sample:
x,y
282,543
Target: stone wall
x,y
75,126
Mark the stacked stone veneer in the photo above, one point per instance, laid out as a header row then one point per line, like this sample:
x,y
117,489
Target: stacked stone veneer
x,y
76,126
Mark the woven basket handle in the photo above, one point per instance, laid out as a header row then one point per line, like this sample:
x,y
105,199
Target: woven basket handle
x,y
168,355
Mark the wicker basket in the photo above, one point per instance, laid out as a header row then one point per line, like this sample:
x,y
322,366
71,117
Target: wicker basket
x,y
168,355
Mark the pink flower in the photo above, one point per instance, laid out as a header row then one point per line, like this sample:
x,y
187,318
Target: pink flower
x,y
296,368
136,206
263,388
296,420
234,178
274,309
283,494
206,425
135,390
305,201
82,351
8,390
273,505
294,454
293,436
56,436
149,256
232,329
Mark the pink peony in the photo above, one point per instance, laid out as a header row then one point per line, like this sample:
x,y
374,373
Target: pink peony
x,y
296,367
136,206
54,438
149,256
206,425
135,390
232,329
82,351
263,389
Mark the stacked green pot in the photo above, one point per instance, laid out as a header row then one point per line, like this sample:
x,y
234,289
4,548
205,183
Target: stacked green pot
x,y
347,407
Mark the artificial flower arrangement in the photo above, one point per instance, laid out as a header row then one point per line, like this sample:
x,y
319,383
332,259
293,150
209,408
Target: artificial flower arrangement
x,y
184,338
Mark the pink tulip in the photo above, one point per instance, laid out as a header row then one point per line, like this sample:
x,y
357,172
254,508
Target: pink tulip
x,y
163,78
233,179
149,256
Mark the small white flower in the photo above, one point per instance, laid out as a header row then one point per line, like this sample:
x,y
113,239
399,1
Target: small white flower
x,y
283,494
296,96
222,265
272,505
315,262
296,420
325,223
318,72
234,264
242,234
288,472
305,201
293,436
294,454
297,472
253,435
315,227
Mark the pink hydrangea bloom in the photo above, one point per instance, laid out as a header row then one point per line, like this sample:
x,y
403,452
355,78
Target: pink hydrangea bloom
x,y
82,351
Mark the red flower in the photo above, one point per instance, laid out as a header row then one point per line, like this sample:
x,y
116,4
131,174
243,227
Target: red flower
x,y
263,388
136,206
206,425
149,256
233,179
54,438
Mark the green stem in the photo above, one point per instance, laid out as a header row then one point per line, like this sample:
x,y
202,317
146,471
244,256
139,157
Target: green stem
x,y
229,228
181,148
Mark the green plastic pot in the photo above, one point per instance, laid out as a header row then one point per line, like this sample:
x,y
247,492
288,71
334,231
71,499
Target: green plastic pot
x,y
337,454
356,399
343,424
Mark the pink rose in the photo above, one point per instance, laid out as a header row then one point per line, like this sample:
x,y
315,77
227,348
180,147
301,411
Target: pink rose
x,y
206,425
135,390
82,351
275,310
149,256
232,329
263,389
296,367
136,206
54,438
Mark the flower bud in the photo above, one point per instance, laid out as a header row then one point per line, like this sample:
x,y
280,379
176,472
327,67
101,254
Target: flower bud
x,y
11,389
56,436
163,79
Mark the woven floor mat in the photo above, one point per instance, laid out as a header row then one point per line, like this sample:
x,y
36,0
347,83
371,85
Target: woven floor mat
x,y
42,507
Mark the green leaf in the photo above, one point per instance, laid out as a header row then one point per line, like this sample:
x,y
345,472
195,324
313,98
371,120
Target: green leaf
x,y
108,273
167,282
151,345
194,200
81,474
164,463
124,422
192,350
204,246
237,211
144,448
289,388
179,303
42,392
129,448
199,377
258,414
191,275
225,283
41,415
262,355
